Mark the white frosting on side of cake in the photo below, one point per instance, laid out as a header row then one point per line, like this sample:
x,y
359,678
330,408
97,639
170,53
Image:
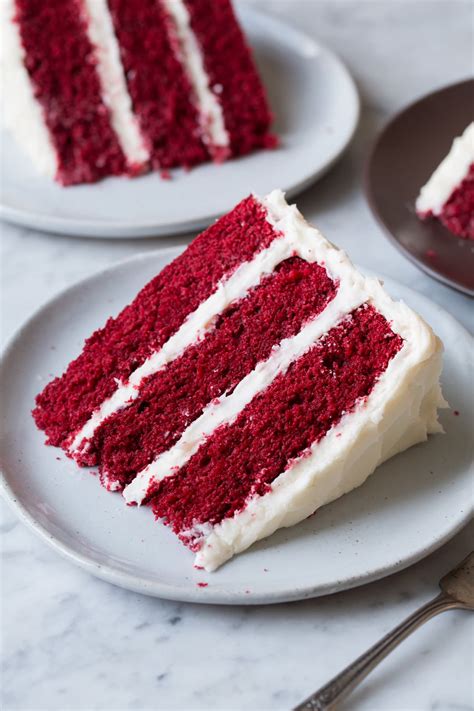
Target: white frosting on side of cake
x,y
22,113
211,116
394,417
400,411
113,83
448,175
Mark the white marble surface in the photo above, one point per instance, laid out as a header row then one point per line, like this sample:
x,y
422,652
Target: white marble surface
x,y
70,641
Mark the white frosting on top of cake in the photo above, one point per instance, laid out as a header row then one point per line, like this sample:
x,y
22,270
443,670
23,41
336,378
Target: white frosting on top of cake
x,y
211,117
113,83
22,113
448,175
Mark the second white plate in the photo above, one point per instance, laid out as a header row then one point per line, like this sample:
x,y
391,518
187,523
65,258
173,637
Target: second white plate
x,y
316,109
409,507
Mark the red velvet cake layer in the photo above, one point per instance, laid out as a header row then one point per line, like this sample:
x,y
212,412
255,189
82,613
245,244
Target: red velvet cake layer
x,y
458,212
60,61
125,342
232,75
242,459
243,336
158,86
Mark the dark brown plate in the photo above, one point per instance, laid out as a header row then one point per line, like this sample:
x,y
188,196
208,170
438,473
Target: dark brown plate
x,y
401,161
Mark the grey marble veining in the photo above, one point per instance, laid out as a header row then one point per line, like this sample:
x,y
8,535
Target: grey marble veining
x,y
71,642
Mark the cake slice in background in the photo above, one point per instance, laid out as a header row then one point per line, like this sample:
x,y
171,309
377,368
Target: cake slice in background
x,y
256,378
449,193
94,88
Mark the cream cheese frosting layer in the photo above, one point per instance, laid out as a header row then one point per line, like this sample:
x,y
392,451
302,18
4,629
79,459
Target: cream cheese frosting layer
x,y
211,116
22,114
112,80
448,175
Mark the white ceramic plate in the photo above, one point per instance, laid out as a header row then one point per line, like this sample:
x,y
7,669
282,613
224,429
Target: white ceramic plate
x,y
316,109
408,508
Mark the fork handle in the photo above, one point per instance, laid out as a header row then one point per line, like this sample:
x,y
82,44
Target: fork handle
x,y
341,685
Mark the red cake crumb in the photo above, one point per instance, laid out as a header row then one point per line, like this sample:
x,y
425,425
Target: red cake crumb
x,y
202,585
158,86
239,91
60,61
114,351
243,458
456,413
458,213
175,396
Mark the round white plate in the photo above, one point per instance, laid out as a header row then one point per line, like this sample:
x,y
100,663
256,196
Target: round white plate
x,y
409,507
316,111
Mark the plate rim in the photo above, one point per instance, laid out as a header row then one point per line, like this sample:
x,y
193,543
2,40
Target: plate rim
x,y
210,594
369,194
110,229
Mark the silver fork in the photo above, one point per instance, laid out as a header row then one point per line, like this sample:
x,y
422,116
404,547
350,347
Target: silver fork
x,y
457,592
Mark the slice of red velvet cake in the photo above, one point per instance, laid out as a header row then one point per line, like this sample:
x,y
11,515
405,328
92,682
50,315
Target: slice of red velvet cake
x,y
449,194
95,88
256,378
